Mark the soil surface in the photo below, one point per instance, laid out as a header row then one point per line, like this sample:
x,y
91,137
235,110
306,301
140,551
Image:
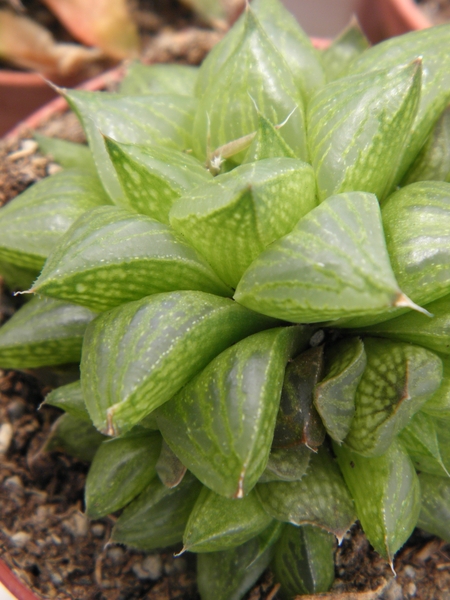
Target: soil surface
x,y
438,11
45,537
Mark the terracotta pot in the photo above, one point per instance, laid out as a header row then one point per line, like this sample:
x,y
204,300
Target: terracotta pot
x,y
381,19
11,588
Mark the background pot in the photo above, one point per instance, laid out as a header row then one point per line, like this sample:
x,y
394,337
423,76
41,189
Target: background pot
x,y
381,19
11,588
323,18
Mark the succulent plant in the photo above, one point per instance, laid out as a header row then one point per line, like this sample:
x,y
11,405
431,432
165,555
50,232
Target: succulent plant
x,y
251,263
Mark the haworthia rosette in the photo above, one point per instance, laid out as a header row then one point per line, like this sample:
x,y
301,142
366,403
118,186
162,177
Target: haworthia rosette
x,y
233,218
286,464
169,467
386,493
217,523
44,332
74,436
138,355
143,79
439,403
221,424
357,127
68,154
111,256
350,44
333,264
121,469
434,514
304,560
320,498
397,381
267,143
69,398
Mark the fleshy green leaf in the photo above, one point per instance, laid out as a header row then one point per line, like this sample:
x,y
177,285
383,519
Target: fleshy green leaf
x,y
138,355
420,440
310,276
298,421
254,73
121,469
439,404
386,493
111,256
435,510
32,224
169,467
431,332
158,516
267,143
397,381
221,424
43,332
70,399
358,126
320,498
67,154
17,278
416,222
334,396
304,561
74,436
432,45
217,523
433,161
228,574
143,79
284,32
286,464
350,44
233,218
152,178
164,119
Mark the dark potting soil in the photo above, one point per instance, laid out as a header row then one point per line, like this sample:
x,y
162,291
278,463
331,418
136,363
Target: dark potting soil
x,y
438,11
44,536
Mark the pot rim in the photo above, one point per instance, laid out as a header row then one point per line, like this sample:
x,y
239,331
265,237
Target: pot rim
x,y
12,583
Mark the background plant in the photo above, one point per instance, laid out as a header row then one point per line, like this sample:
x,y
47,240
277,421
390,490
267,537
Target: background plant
x,y
251,262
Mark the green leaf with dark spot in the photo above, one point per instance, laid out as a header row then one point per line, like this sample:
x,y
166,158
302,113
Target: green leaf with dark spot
x,y
217,523
138,355
158,516
320,498
433,161
253,77
286,464
43,332
420,440
386,493
267,143
121,469
229,574
233,218
432,46
162,119
67,154
74,436
304,561
298,421
32,224
152,178
169,467
310,276
111,256
143,79
398,379
69,398
334,396
416,222
221,424
432,332
434,514
357,128
439,403
350,44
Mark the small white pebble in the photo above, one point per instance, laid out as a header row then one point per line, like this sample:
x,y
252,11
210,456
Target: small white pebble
x,y
13,483
409,571
77,525
56,578
20,539
393,591
411,589
53,168
116,554
56,539
98,529
153,566
6,435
